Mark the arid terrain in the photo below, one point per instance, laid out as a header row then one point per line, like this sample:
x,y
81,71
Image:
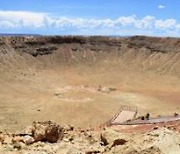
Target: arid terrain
x,y
83,81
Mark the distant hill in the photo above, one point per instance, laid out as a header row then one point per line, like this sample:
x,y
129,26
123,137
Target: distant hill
x,y
11,34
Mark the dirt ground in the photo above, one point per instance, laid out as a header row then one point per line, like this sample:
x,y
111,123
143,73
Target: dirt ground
x,y
72,97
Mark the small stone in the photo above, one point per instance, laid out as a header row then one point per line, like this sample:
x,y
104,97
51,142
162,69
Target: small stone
x,y
118,142
68,128
156,127
92,152
105,90
28,139
66,140
104,141
71,139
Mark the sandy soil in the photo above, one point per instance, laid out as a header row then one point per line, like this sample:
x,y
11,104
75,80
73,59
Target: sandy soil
x,y
73,97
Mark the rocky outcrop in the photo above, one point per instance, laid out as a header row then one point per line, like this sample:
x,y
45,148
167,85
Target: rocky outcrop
x,y
47,131
107,141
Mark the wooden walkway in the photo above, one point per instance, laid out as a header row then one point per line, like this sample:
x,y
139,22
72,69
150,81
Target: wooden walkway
x,y
126,116
123,117
126,113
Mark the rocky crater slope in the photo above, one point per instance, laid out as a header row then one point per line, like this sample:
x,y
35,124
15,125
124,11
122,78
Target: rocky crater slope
x,y
142,53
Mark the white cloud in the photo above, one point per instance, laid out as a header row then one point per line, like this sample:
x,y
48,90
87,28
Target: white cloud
x,y
125,21
6,24
161,6
145,23
166,24
23,18
128,25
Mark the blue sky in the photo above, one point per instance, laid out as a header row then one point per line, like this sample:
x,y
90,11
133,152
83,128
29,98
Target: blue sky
x,y
91,17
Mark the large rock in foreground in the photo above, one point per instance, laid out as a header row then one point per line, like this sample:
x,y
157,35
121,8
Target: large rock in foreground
x,y
47,131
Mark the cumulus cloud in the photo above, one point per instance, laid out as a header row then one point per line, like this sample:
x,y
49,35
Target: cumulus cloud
x,y
22,19
128,25
161,6
166,24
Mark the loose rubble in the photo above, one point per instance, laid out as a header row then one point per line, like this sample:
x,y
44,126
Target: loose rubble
x,y
49,138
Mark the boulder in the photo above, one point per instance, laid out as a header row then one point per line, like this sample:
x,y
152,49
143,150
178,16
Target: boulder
x,y
47,131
